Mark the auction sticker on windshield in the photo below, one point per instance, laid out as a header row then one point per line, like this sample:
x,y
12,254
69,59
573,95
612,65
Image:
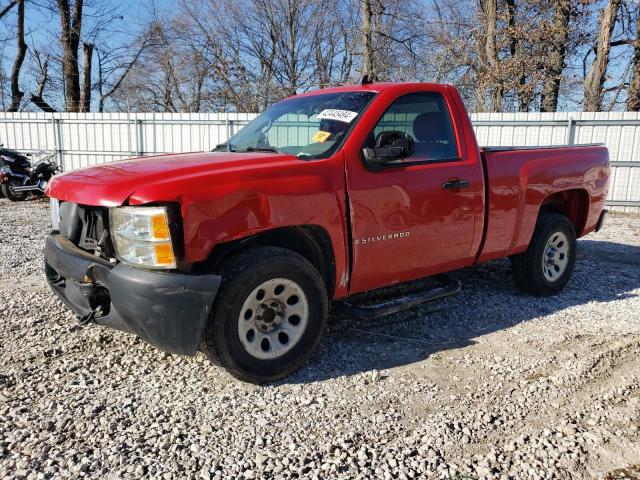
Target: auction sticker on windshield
x,y
321,136
346,116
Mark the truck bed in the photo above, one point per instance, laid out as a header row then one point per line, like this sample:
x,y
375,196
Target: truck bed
x,y
521,180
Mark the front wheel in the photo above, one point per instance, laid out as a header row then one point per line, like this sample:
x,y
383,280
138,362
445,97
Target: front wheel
x,y
8,190
546,267
269,315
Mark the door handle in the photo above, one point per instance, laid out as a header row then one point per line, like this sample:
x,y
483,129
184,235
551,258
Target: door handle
x,y
455,184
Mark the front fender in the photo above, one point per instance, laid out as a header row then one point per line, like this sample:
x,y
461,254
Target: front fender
x,y
227,206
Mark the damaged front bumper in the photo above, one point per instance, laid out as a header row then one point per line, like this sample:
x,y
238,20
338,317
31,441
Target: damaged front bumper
x,y
166,309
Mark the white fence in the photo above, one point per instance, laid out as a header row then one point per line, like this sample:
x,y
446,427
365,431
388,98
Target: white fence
x,y
90,138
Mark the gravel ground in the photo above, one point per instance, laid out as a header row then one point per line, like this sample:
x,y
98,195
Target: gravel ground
x,y
488,384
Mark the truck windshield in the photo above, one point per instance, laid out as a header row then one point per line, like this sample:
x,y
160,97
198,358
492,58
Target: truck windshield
x,y
308,127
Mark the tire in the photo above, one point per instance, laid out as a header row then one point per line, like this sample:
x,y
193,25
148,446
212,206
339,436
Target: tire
x,y
554,238
8,192
272,293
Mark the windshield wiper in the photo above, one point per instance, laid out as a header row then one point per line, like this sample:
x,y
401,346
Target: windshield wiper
x,y
262,149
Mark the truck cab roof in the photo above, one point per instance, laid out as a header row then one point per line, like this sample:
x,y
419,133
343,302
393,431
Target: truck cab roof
x,y
378,87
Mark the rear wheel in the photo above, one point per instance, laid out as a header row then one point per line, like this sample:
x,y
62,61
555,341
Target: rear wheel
x,y
269,314
546,267
8,190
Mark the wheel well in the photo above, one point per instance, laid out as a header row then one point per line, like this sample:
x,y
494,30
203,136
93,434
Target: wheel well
x,y
573,204
310,241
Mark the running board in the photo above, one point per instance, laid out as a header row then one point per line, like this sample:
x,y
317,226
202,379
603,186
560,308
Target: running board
x,y
447,286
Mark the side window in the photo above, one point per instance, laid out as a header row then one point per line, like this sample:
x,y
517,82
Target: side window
x,y
425,118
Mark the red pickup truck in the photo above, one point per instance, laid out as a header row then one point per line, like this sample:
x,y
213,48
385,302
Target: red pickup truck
x,y
240,251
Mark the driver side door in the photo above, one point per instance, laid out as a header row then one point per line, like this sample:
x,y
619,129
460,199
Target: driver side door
x,y
415,216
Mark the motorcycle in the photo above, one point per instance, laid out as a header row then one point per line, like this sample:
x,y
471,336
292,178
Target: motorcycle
x,y
18,176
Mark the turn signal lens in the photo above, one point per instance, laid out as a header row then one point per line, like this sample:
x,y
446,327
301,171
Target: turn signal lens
x,y
164,254
160,227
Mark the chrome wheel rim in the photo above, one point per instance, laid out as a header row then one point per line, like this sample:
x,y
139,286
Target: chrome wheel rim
x,y
273,318
555,257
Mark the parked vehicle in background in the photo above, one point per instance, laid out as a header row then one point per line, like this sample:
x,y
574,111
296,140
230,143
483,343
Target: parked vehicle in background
x,y
324,196
18,177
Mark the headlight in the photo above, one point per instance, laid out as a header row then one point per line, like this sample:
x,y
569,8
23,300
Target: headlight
x,y
142,237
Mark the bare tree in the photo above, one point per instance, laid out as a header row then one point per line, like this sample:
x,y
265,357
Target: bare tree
x,y
556,56
106,87
524,91
71,26
490,92
450,39
595,79
335,46
85,92
37,97
262,50
157,73
367,40
633,101
16,93
504,55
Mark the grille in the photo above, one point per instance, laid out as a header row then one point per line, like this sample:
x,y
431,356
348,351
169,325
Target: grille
x,y
92,229
87,228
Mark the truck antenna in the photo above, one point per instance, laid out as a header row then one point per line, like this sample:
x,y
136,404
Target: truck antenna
x,y
368,79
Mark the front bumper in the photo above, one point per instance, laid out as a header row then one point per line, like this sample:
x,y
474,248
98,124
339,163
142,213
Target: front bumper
x,y
166,309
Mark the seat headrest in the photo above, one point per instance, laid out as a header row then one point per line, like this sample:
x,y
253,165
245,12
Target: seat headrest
x,y
429,127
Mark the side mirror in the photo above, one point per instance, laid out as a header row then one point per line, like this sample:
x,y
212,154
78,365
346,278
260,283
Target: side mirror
x,y
390,146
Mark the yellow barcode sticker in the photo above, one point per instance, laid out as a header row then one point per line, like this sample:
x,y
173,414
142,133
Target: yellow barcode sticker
x,y
321,136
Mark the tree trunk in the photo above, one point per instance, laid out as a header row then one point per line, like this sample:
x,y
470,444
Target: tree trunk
x,y
85,94
292,51
594,82
633,102
522,89
101,97
489,63
556,56
44,72
70,39
16,93
367,40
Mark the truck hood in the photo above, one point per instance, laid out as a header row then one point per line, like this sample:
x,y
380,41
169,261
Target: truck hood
x,y
111,184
